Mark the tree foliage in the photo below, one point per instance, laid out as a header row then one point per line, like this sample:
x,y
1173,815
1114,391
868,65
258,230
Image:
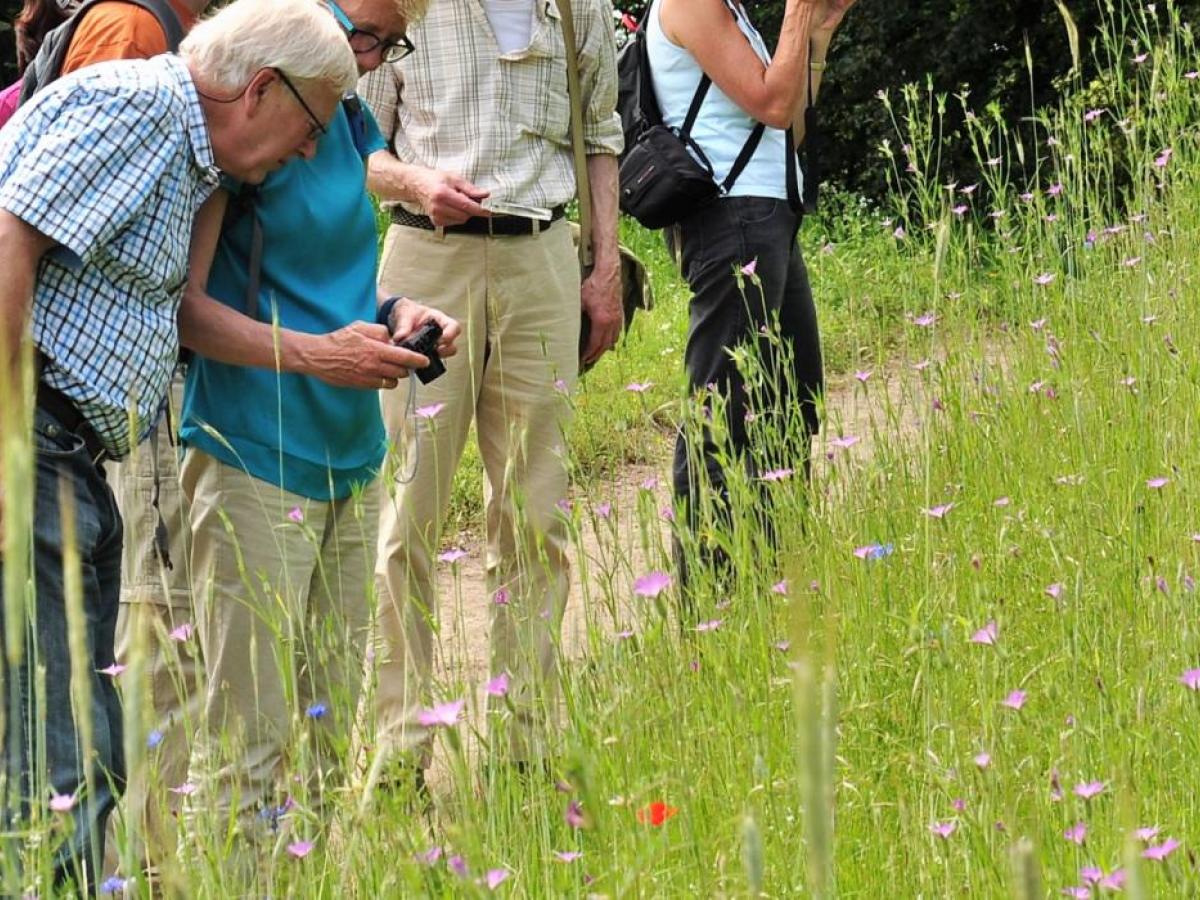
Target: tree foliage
x,y
960,47
8,48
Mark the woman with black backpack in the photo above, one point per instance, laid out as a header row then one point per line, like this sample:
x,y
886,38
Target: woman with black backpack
x,y
739,252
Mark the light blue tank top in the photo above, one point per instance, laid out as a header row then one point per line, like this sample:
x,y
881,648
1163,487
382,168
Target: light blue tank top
x,y
722,127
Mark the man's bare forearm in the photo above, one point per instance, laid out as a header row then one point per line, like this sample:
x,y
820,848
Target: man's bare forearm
x,y
602,174
390,179
21,248
225,335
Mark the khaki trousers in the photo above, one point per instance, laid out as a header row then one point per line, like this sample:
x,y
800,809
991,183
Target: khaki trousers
x,y
518,301
155,601
282,588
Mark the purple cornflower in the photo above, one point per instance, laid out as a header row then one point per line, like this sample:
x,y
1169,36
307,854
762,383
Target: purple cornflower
x,y
988,634
943,829
1159,852
430,856
495,877
443,714
1015,700
430,411
498,686
652,584
574,814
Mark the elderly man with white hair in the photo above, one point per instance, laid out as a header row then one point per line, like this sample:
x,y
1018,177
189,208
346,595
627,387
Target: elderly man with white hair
x,y
101,176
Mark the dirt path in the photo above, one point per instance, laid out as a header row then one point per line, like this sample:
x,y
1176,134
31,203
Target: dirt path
x,y
859,411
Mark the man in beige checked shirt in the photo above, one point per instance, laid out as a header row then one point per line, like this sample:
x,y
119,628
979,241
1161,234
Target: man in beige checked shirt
x,y
481,167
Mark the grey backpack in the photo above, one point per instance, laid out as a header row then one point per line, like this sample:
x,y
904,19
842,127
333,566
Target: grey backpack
x,y
47,65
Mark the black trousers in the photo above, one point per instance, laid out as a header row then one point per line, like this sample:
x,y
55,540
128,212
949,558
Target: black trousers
x,y
712,247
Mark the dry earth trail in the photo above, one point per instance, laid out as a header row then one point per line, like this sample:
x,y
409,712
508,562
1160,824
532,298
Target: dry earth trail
x,y
886,404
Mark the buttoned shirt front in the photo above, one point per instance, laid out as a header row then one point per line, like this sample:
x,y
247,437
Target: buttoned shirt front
x,y
500,120
112,163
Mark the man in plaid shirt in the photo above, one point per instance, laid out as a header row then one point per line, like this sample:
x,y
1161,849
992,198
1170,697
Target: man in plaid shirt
x,y
100,178
476,179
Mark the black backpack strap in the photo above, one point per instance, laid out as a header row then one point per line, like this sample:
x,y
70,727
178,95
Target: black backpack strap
x,y
694,110
243,201
254,264
743,158
812,148
701,89
167,18
790,161
356,117
246,203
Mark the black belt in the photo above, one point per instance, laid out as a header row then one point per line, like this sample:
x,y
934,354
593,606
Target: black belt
x,y
496,226
62,408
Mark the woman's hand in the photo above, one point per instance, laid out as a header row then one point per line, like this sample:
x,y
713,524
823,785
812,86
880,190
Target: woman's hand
x,y
829,15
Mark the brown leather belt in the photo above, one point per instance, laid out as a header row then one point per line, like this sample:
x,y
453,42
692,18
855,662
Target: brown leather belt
x,y
495,226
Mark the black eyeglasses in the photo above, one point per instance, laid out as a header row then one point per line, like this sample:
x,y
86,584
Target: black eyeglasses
x,y
365,41
317,129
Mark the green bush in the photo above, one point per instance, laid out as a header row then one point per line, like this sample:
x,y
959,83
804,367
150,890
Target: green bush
x,y
974,49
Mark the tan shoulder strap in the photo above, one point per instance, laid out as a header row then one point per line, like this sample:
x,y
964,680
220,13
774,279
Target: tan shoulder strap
x,y
583,186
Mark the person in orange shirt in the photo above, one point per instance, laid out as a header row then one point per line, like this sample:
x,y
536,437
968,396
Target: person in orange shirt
x,y
115,29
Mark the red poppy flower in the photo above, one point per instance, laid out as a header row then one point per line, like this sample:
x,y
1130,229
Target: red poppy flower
x,y
656,813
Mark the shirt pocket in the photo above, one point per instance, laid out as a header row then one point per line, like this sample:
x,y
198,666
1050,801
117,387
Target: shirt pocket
x,y
537,80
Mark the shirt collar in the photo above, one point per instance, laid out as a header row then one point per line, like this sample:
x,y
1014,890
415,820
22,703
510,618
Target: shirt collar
x,y
194,121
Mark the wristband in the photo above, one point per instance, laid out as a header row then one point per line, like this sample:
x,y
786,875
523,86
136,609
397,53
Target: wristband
x,y
817,66
383,315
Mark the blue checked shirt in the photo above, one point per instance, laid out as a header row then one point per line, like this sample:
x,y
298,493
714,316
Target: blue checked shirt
x,y
111,162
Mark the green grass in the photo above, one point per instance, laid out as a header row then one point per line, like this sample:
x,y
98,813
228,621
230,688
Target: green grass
x,y
1039,473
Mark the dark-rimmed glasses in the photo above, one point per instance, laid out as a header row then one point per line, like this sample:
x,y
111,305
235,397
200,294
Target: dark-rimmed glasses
x,y
318,128
362,42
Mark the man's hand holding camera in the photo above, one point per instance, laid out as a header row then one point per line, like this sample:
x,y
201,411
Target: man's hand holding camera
x,y
423,332
373,355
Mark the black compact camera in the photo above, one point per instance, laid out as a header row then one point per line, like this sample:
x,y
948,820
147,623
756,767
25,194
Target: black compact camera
x,y
425,342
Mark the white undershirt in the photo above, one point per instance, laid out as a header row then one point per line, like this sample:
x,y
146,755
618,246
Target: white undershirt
x,y
512,23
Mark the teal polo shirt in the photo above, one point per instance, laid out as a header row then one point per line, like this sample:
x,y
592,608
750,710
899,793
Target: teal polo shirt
x,y
318,275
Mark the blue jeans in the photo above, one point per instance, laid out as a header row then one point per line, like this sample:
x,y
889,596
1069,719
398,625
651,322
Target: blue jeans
x,y
40,724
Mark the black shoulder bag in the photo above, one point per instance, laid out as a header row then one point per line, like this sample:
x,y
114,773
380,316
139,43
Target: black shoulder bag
x,y
664,175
